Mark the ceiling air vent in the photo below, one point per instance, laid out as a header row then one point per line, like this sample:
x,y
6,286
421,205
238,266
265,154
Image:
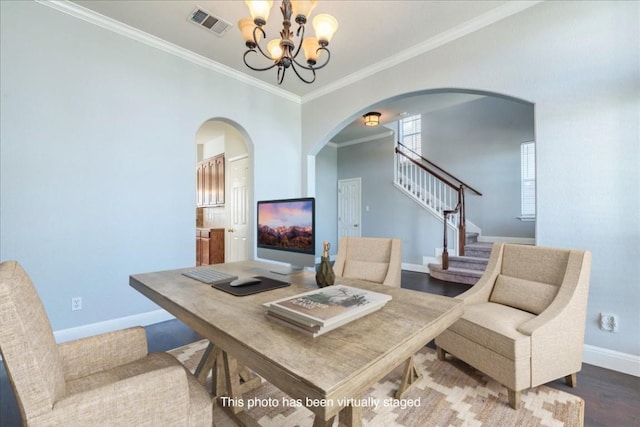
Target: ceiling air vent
x,y
211,23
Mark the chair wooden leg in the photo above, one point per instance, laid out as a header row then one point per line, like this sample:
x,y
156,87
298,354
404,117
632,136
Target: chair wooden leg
x,y
442,354
572,380
514,398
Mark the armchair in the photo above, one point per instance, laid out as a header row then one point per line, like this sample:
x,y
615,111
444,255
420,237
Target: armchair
x,y
107,379
524,320
370,258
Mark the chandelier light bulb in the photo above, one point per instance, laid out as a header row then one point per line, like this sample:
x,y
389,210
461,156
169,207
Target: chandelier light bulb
x,y
259,10
246,27
311,52
275,50
325,26
302,8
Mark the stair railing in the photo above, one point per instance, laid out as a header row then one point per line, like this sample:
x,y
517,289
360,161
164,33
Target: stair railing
x,y
461,230
437,188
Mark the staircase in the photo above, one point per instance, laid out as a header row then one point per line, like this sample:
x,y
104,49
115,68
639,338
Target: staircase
x,y
442,194
468,268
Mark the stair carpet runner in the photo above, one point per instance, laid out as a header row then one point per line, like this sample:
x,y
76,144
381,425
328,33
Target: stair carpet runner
x,y
468,268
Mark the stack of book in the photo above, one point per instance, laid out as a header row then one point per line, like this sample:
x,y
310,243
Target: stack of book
x,y
322,310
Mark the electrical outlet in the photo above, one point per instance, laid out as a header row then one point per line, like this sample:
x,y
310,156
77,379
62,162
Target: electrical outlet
x,y
76,303
608,322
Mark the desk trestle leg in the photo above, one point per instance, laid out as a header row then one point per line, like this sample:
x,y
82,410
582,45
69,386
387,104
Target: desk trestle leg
x,y
228,377
206,364
410,377
212,362
230,381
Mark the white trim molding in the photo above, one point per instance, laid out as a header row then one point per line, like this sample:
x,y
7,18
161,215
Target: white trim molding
x,y
479,22
495,15
118,27
368,138
142,319
611,359
417,268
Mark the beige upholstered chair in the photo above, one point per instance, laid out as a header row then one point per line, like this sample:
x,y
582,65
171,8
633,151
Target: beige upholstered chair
x,y
524,320
370,258
107,379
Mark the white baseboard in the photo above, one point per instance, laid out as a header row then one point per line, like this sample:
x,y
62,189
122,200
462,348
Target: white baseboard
x,y
142,319
611,359
424,267
415,267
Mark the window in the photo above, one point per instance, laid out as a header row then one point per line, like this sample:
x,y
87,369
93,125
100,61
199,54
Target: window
x,y
411,134
528,180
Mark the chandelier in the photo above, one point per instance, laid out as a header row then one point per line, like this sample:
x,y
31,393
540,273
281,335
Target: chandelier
x,y
283,51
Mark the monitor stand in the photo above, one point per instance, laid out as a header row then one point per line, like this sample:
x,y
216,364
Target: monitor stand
x,y
285,271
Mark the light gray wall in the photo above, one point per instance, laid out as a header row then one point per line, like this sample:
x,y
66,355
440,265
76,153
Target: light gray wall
x,y
390,213
479,142
579,63
98,152
326,199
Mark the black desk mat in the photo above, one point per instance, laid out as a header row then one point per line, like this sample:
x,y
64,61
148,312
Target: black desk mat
x,y
266,284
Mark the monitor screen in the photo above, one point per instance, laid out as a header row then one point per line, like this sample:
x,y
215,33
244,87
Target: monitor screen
x,y
286,231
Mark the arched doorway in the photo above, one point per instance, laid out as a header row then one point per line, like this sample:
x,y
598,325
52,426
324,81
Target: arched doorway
x,y
223,191
475,135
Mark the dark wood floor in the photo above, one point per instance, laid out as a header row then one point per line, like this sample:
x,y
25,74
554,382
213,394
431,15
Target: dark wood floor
x,y
611,399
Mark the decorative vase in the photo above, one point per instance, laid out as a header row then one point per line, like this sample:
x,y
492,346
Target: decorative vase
x,y
324,273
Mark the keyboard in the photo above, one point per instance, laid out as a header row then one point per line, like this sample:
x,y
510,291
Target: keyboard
x,y
210,276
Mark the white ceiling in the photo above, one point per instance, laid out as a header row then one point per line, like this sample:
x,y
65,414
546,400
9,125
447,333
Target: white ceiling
x,y
371,34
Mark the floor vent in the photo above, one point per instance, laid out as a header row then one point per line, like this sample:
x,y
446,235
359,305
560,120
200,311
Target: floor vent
x,y
211,23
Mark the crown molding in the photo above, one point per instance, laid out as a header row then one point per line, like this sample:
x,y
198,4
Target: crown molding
x,y
363,139
118,27
506,10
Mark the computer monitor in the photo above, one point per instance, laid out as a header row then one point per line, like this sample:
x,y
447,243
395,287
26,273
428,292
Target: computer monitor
x,y
286,232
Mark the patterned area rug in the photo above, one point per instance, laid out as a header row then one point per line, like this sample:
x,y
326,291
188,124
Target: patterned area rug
x,y
450,394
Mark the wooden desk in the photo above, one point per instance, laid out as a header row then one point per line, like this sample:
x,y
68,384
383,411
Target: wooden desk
x,y
341,364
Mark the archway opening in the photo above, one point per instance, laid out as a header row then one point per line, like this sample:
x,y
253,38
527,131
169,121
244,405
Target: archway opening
x,y
475,135
224,187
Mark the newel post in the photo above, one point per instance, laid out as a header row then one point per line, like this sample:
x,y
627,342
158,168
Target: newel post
x,y
462,227
445,252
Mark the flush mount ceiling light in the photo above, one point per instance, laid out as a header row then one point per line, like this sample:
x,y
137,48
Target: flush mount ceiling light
x,y
372,118
283,51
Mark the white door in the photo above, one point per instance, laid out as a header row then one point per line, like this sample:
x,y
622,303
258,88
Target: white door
x,y
236,241
349,214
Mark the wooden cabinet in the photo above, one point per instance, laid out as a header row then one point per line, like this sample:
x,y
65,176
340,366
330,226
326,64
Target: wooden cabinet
x,y
216,246
219,180
210,181
209,246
